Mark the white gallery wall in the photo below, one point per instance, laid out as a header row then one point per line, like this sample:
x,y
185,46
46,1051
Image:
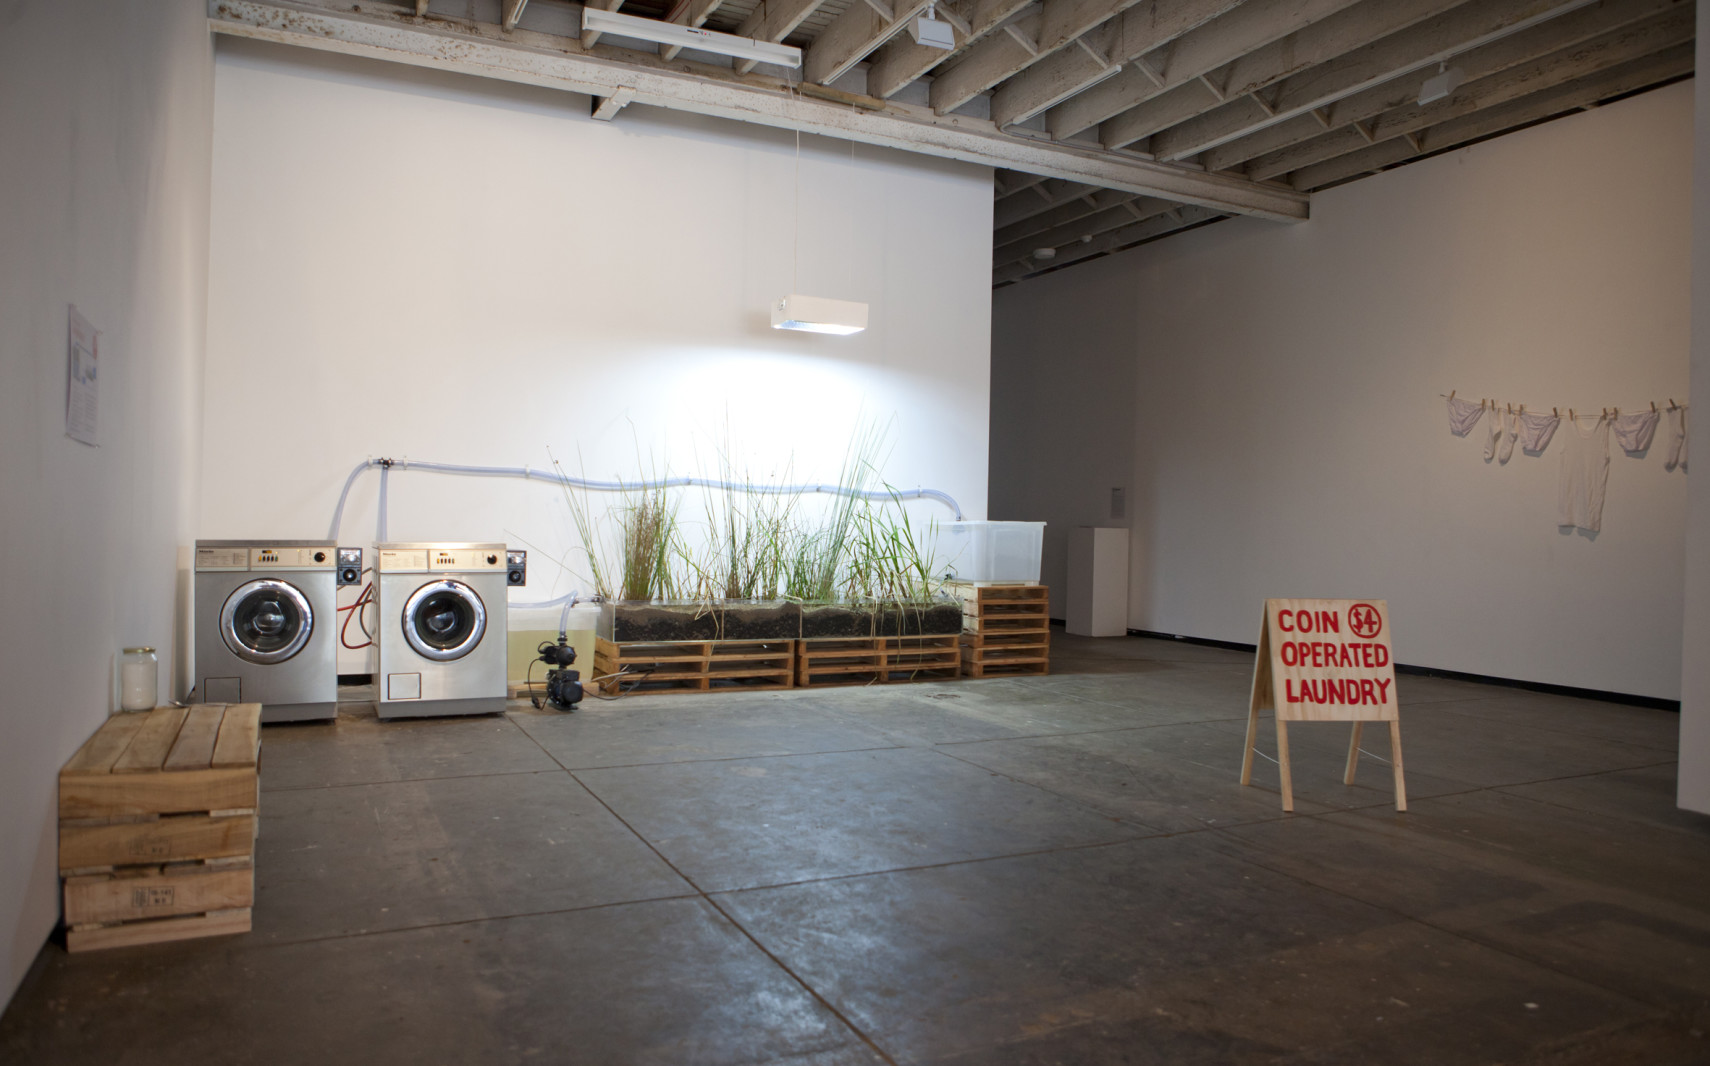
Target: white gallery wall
x,y
407,263
105,113
1287,432
1694,784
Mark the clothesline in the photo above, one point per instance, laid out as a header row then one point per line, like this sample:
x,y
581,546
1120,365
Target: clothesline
x,y
1607,412
1585,456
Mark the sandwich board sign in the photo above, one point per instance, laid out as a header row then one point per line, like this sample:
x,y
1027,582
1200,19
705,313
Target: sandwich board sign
x,y
1325,661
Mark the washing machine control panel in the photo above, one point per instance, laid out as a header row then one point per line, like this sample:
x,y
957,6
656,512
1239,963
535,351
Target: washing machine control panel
x,y
350,566
516,568
313,558
465,560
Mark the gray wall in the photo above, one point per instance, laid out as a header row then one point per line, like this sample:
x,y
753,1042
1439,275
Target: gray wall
x,y
1280,386
105,119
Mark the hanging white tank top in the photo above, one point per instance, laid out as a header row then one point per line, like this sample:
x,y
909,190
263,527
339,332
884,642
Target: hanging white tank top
x,y
1585,475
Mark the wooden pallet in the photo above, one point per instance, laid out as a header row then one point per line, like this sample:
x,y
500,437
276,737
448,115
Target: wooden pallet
x,y
1005,654
869,660
1006,629
157,826
693,666
1004,608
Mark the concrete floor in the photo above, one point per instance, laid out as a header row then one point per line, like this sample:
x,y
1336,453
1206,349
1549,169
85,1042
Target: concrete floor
x,y
1041,870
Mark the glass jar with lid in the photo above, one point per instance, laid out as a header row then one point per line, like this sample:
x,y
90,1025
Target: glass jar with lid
x,y
139,674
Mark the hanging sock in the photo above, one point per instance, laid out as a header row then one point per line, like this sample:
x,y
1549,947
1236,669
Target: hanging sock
x,y
1463,416
1634,432
1585,476
1511,433
1536,431
1493,438
1676,439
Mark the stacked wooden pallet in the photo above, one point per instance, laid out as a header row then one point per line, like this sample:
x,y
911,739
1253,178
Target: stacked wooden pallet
x,y
867,660
157,826
1006,629
693,666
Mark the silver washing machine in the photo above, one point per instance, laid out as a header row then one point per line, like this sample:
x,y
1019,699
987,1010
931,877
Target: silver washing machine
x,y
441,629
266,615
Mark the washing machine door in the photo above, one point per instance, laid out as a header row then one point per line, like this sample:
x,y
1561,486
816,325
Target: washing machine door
x,y
266,621
444,620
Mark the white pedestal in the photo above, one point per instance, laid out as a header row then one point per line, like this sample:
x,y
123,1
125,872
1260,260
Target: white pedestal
x,y
1097,603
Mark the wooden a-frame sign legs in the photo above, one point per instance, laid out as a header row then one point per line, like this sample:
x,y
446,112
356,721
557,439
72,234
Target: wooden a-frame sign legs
x,y
1324,661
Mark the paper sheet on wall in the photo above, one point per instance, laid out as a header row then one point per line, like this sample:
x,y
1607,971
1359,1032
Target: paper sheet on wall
x,y
82,386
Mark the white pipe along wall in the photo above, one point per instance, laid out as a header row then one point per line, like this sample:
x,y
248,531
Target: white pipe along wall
x,y
105,121
430,267
1285,433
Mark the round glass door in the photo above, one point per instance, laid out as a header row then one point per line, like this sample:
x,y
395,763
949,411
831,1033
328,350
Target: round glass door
x,y
266,621
444,620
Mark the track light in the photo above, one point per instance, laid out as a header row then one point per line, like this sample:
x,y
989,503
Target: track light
x,y
1441,84
671,33
816,314
931,33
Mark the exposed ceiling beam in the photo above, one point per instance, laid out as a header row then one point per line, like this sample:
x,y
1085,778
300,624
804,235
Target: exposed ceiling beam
x,y
1112,241
1051,217
605,108
388,34
1561,68
1143,27
1041,197
773,20
1350,71
1333,34
1199,49
1082,229
1477,62
902,61
1629,77
852,37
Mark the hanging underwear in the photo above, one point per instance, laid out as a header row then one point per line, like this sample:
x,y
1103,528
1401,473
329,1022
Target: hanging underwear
x,y
1676,439
1536,431
1634,432
1463,416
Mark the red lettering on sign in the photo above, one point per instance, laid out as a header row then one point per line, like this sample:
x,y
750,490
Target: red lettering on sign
x,y
1367,693
1329,622
1364,620
1383,691
1382,654
1284,618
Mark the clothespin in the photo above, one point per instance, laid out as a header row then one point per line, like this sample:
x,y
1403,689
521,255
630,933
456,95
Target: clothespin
x,y
1653,406
1571,415
1671,402
1557,411
1451,394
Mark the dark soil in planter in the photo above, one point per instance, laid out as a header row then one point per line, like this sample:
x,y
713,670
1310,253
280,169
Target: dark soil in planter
x,y
660,622
847,620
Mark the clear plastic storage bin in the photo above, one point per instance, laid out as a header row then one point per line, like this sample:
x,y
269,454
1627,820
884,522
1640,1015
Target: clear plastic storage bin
x,y
989,551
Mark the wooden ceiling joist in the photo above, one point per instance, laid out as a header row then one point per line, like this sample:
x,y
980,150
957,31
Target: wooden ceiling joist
x,y
1108,122
383,32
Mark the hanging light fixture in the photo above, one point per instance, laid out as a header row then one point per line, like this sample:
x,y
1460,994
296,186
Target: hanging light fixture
x,y
813,314
817,314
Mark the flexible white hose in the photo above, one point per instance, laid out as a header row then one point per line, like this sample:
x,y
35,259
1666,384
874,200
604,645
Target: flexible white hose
x,y
531,474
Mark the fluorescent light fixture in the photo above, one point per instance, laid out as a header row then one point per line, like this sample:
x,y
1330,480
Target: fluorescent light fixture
x,y
816,314
1441,84
671,33
932,33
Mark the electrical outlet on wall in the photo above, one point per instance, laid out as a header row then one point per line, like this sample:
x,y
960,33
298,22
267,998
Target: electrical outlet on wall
x,y
1119,503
